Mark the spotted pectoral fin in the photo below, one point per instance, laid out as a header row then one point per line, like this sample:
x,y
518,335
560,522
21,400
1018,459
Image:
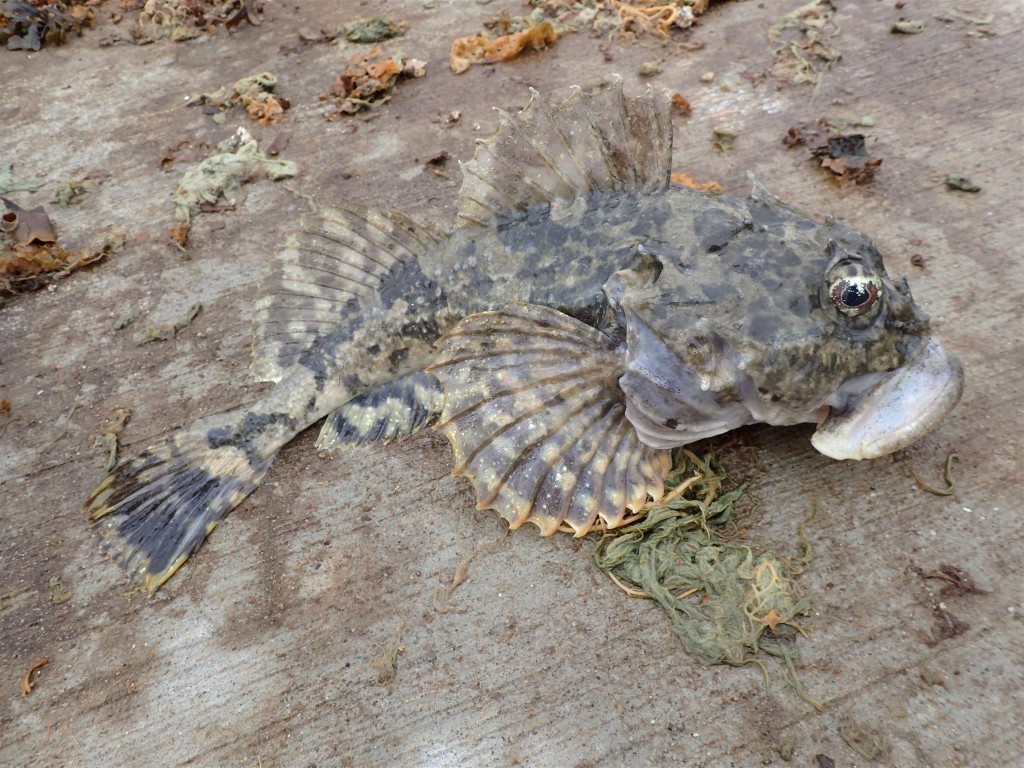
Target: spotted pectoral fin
x,y
394,410
553,154
340,264
537,421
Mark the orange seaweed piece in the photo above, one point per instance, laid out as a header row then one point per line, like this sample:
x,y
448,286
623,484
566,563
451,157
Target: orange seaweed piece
x,y
482,49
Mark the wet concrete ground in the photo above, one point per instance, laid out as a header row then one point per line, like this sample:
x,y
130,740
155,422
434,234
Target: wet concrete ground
x,y
260,651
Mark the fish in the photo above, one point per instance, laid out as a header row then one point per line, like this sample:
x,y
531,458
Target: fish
x,y
580,319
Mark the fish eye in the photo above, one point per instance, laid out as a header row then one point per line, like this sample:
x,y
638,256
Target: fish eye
x,y
856,295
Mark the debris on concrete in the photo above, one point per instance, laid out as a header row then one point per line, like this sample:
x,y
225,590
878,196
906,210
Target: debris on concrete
x,y
107,440
11,183
870,745
538,34
70,192
442,600
627,20
238,161
256,93
167,331
686,180
723,139
59,592
30,255
368,81
385,665
649,68
958,582
179,20
960,183
802,43
27,682
907,27
28,25
374,30
845,155
680,106
726,604
950,488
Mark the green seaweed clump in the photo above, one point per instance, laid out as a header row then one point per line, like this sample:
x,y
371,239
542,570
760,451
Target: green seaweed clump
x,y
727,603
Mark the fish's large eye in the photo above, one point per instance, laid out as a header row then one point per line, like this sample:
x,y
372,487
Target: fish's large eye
x,y
855,295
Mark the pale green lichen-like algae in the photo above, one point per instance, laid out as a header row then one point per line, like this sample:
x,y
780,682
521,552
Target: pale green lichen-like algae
x,y
727,603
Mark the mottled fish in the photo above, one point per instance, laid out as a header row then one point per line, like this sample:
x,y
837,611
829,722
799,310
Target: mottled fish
x,y
581,318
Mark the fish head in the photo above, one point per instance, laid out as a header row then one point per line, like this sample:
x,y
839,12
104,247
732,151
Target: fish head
x,y
758,314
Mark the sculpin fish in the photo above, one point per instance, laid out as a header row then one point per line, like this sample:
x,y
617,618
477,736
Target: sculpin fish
x,y
581,318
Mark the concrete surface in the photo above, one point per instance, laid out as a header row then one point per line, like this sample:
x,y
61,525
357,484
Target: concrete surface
x,y
260,651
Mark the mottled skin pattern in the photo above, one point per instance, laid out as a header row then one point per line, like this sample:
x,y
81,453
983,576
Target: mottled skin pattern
x,y
631,317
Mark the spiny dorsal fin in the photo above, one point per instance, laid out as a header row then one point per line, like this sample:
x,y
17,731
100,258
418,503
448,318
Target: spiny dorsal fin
x,y
395,410
537,421
553,154
330,271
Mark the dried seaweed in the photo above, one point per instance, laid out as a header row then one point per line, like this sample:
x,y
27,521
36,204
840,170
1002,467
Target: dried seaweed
x,y
368,81
179,20
802,43
845,155
256,93
28,26
167,331
386,664
11,183
31,256
686,180
238,161
374,30
625,20
538,34
726,603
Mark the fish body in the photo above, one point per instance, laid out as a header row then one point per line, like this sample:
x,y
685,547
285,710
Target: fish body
x,y
582,318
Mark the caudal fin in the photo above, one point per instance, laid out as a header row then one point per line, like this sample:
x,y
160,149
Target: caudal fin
x,y
154,510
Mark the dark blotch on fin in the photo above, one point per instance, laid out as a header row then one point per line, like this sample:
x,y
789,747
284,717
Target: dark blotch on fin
x,y
393,411
537,421
157,508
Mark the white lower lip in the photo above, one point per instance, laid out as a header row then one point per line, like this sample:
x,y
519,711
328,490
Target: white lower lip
x,y
898,410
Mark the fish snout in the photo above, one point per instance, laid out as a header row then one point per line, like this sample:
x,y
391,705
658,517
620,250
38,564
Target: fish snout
x,y
897,409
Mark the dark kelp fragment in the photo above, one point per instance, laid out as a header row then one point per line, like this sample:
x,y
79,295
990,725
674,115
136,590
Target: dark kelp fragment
x,y
846,155
27,26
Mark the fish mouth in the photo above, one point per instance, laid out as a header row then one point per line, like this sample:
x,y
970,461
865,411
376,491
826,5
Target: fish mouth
x,y
896,410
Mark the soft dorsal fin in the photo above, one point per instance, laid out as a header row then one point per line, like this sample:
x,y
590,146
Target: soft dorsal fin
x,y
552,154
331,270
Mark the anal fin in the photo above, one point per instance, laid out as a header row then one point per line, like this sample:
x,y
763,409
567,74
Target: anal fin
x,y
537,421
390,412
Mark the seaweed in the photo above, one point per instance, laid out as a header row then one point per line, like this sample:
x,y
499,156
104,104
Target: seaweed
x,y
368,81
28,26
726,603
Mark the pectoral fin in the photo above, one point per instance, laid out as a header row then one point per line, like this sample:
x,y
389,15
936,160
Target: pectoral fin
x,y
537,421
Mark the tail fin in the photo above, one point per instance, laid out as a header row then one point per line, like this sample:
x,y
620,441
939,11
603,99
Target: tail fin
x,y
155,509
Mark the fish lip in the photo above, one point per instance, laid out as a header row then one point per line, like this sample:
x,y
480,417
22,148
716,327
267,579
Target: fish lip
x,y
897,410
